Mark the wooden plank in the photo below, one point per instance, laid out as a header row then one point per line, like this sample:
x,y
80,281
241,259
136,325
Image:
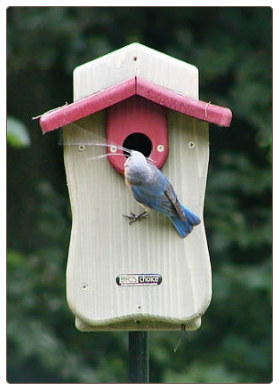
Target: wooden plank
x,y
96,102
211,113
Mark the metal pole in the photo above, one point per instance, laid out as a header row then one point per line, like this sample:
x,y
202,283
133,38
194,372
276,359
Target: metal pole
x,y
138,357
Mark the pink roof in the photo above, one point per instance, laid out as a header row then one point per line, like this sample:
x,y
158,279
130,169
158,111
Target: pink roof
x,y
134,86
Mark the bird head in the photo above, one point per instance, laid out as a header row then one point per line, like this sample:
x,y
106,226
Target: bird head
x,y
136,167
136,159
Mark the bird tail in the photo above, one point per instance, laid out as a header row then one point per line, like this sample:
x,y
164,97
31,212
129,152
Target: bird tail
x,y
185,227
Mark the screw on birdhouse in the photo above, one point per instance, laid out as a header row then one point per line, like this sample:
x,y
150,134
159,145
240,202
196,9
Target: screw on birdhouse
x,y
81,148
139,307
160,148
85,286
191,145
113,149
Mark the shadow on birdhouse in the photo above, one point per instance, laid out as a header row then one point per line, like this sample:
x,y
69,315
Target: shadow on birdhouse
x,y
140,276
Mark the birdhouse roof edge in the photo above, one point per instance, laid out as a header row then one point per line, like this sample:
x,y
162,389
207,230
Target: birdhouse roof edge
x,y
158,94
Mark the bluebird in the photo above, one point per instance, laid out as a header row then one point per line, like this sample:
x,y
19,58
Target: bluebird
x,y
153,191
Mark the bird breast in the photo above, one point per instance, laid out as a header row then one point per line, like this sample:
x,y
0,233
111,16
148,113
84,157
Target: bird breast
x,y
137,174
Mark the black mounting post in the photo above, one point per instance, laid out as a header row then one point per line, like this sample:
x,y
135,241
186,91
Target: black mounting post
x,y
138,357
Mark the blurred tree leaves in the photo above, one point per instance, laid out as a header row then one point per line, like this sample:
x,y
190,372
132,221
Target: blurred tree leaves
x,y
232,47
203,373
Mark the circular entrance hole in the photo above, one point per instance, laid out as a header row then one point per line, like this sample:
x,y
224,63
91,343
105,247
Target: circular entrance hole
x,y
139,142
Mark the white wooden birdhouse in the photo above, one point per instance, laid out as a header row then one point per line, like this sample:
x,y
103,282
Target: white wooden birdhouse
x,y
140,276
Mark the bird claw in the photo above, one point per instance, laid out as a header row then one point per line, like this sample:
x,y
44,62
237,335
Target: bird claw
x,y
133,217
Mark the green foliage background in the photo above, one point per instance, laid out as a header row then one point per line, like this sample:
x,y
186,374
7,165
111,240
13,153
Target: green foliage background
x,y
232,47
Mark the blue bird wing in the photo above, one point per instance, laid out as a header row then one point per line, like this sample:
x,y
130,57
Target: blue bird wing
x,y
153,198
171,195
158,194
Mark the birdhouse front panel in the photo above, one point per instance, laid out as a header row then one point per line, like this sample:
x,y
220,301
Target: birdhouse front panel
x,y
141,275
108,256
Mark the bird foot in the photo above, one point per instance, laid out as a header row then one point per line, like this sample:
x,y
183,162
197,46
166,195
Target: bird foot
x,y
133,217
